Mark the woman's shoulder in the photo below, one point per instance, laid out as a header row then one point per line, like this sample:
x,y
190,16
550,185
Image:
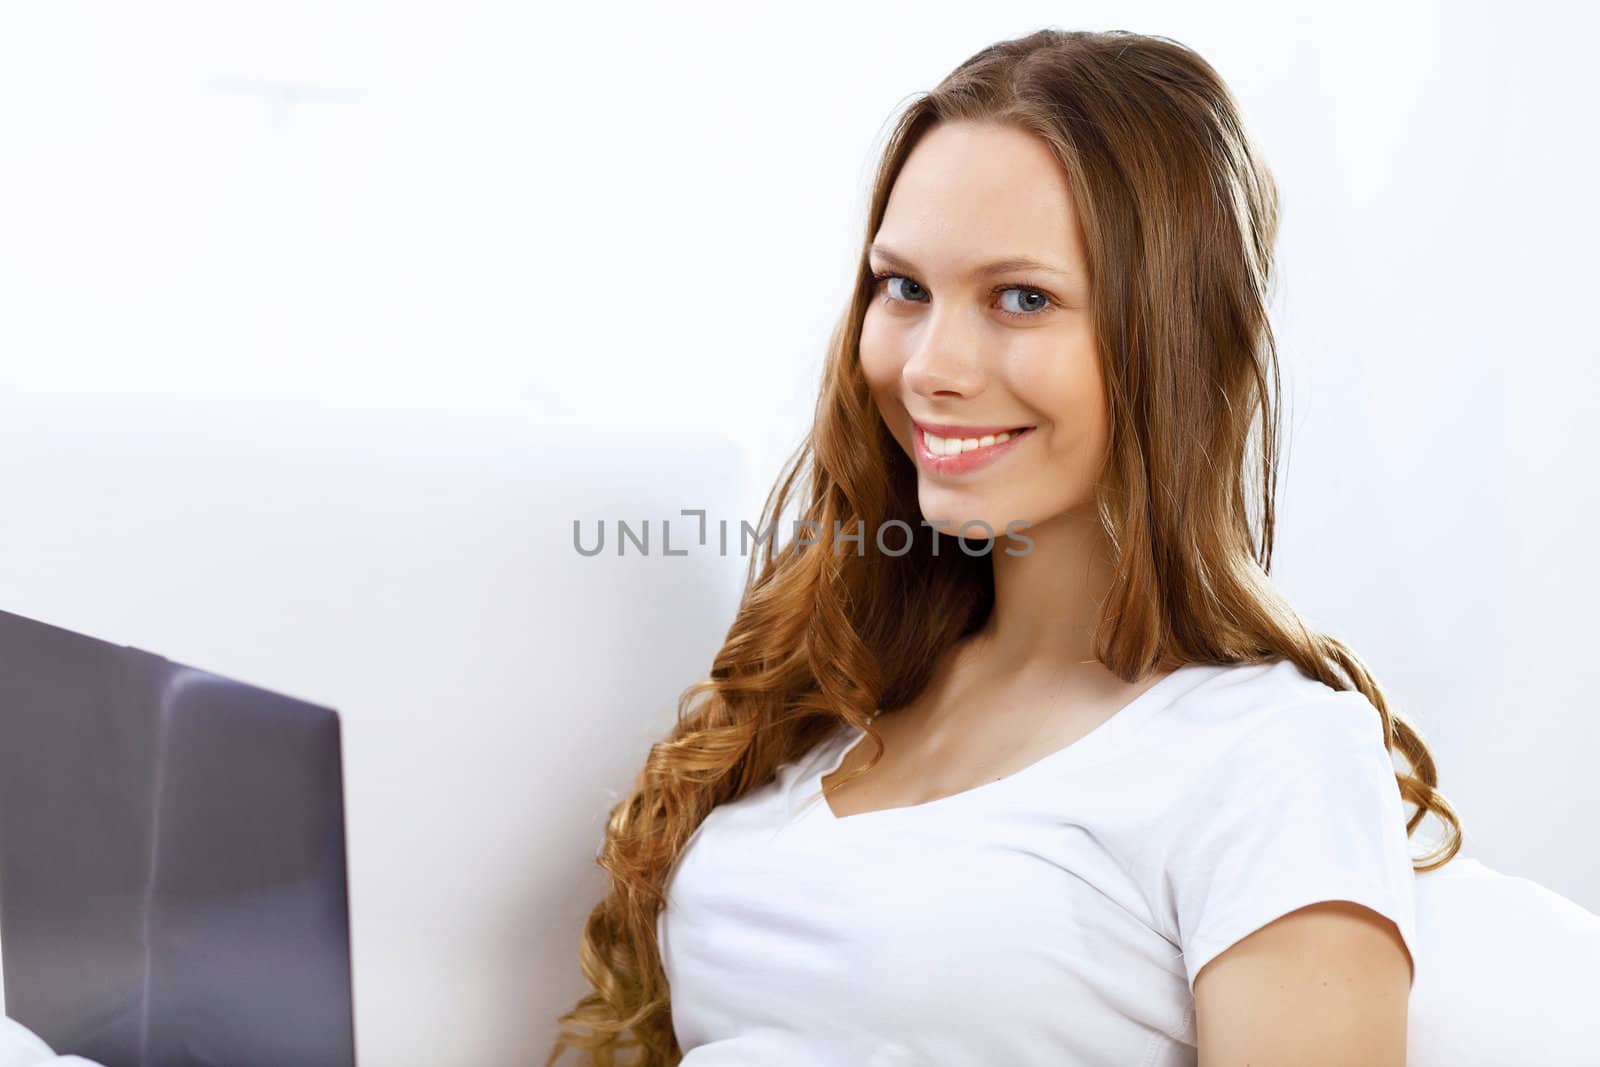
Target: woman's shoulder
x,y
1266,706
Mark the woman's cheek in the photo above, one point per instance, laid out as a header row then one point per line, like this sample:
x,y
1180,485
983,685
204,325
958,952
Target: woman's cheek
x,y
874,357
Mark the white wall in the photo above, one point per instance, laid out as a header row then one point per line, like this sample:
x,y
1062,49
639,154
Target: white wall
x,y
320,323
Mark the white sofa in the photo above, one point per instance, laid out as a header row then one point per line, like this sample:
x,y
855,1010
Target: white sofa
x,y
1508,974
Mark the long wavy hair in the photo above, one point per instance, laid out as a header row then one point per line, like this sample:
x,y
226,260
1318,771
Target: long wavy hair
x,y
1180,218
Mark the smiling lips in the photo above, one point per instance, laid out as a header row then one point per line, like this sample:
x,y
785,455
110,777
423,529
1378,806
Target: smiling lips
x,y
943,448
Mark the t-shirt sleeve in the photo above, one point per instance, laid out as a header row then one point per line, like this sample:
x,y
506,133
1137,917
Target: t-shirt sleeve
x,y
1303,808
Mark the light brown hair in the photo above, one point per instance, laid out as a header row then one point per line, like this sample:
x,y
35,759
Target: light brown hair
x,y
1180,216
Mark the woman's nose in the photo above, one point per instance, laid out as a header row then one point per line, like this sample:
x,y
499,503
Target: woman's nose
x,y
947,358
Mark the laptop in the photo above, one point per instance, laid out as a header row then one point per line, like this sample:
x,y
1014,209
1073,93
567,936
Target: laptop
x,y
172,860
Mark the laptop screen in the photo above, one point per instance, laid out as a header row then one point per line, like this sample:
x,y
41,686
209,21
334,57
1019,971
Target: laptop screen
x,y
172,860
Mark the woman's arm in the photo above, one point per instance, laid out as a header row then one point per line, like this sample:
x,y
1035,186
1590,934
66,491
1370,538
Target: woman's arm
x,y
1325,985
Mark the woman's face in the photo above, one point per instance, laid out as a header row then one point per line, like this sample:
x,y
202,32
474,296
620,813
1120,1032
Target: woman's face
x,y
951,343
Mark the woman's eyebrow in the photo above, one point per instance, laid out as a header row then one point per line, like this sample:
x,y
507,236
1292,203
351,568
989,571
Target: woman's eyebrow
x,y
998,266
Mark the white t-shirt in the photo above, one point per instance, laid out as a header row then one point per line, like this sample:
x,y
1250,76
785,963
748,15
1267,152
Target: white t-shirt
x,y
1056,915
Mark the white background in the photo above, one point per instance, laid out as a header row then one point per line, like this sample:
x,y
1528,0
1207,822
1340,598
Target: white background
x,y
321,323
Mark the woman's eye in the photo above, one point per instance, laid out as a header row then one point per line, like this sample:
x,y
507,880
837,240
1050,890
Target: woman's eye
x,y
1033,301
911,290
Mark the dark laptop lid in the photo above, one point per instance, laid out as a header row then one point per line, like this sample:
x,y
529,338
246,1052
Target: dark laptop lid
x,y
172,860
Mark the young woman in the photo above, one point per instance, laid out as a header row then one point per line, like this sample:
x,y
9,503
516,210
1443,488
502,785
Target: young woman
x,y
1024,760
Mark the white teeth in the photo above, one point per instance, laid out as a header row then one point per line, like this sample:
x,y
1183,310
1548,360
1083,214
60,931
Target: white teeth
x,y
950,446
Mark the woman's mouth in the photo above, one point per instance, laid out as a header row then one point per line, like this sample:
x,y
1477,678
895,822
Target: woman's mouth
x,y
952,450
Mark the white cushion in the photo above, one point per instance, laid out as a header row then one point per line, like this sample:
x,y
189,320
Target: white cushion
x,y
21,1047
1508,972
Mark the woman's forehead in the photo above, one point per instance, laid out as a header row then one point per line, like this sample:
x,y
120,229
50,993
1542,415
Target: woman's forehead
x,y
970,194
